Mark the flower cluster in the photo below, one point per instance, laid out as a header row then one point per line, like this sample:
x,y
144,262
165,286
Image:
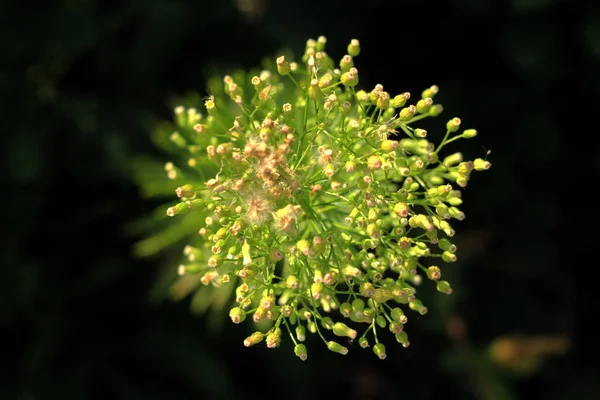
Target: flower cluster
x,y
326,207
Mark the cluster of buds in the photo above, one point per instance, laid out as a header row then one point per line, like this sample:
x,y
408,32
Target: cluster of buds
x,y
323,207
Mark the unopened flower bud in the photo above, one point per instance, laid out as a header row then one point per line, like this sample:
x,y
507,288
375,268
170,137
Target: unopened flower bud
x,y
300,351
337,348
343,330
283,67
354,48
453,125
379,350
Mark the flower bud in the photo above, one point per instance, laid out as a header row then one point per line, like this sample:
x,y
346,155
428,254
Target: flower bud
x,y
237,315
444,287
379,350
400,100
481,165
448,257
253,339
434,273
300,333
430,92
453,125
402,338
283,67
350,78
469,133
346,63
354,48
343,330
300,351
337,348
424,105
407,113
345,309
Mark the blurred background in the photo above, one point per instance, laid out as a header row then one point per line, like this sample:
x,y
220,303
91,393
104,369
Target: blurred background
x,y
85,82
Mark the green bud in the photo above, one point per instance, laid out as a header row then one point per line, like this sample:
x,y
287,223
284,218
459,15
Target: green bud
x,y
300,333
469,133
300,351
481,165
177,209
314,91
402,338
346,63
283,67
434,273
444,287
400,100
178,140
424,105
417,306
237,315
363,342
253,339
380,320
343,330
350,78
354,48
407,113
337,348
430,92
397,314
358,305
379,350
453,125
345,309
436,110
448,257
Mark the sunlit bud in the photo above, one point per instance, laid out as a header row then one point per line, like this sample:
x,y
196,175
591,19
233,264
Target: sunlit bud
x,y
354,48
300,351
237,315
444,287
383,100
469,133
379,350
253,339
337,348
453,159
283,67
430,92
345,309
436,110
300,333
400,100
424,105
350,78
177,209
434,273
407,113
481,165
417,306
346,63
448,257
453,125
402,338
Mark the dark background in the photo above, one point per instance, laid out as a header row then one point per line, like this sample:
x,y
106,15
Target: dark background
x,y
83,83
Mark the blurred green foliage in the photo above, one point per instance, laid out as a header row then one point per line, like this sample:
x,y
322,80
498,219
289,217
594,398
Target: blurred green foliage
x,y
83,84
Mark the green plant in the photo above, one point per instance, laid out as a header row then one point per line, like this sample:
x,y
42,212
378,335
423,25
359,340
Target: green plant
x,y
309,199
